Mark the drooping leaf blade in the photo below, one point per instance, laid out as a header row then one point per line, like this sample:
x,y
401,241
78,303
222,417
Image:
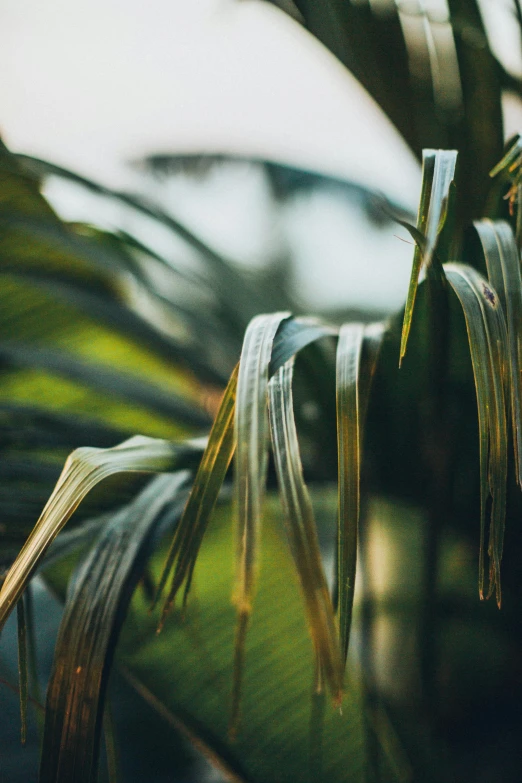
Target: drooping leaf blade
x,y
488,347
189,666
357,352
503,264
293,335
251,425
94,612
302,532
211,473
349,348
252,433
82,471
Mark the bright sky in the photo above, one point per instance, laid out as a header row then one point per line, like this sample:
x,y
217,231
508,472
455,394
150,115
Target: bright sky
x,y
93,83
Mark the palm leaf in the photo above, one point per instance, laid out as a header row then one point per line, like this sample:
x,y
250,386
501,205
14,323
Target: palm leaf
x,y
123,385
478,132
301,530
94,612
435,78
487,340
438,168
106,308
205,490
227,281
367,43
503,264
357,352
252,432
82,471
187,669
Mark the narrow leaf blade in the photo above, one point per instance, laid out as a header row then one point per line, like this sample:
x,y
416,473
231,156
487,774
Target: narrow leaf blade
x,y
211,473
503,264
93,616
357,353
252,432
487,339
438,170
349,350
82,471
301,530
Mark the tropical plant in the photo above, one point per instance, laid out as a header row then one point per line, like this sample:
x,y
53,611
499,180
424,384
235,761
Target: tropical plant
x,y
104,336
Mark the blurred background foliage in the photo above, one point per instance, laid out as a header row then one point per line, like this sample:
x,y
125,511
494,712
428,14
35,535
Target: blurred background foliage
x,y
131,321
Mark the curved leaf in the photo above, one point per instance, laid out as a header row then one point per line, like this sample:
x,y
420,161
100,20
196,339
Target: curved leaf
x,y
268,352
503,264
252,433
487,340
302,532
188,668
83,470
357,352
211,473
94,612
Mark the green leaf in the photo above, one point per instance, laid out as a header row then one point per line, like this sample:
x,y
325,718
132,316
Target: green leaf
x,y
188,536
357,352
476,129
229,285
187,669
302,532
252,433
94,612
63,240
503,264
509,162
105,308
85,468
430,69
124,385
488,347
438,170
371,45
293,335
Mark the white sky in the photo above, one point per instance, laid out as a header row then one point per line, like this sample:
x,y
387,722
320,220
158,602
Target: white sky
x,y
91,84
94,82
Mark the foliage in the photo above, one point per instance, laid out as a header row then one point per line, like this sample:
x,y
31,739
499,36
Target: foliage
x,y
102,336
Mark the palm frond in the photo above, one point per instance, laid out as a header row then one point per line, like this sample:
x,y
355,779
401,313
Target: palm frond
x,y
302,532
488,343
94,612
82,471
503,265
438,169
357,352
211,473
